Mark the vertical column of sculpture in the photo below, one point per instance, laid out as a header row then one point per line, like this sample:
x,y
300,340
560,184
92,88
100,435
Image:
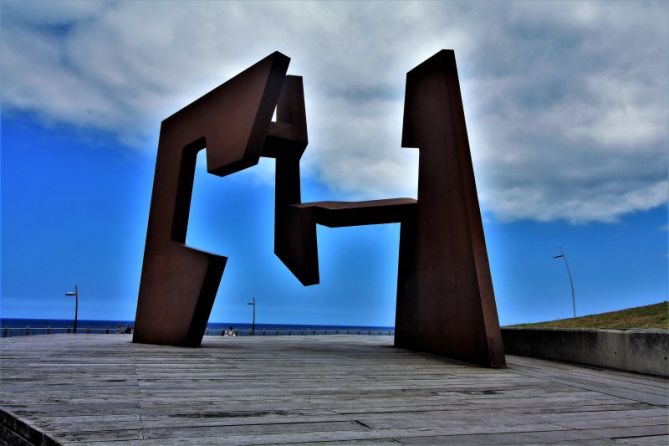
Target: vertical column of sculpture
x,y
445,301
294,241
178,283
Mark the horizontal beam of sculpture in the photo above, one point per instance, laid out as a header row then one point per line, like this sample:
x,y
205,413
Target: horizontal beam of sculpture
x,y
445,301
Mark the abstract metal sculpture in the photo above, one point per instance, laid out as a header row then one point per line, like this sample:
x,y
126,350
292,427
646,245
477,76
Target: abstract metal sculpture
x,y
179,283
445,301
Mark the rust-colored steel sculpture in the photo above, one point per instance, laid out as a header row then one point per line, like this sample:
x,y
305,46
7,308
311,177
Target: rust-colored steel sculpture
x,y
445,301
179,283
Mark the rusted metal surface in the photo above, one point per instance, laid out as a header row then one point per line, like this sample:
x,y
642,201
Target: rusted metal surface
x,y
179,283
445,301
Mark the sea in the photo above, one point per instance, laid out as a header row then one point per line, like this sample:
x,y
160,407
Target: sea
x,y
22,327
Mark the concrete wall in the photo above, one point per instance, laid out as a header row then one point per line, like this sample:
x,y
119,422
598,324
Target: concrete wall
x,y
641,351
14,431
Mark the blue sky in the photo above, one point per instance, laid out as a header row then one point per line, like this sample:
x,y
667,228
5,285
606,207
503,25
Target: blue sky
x,y
566,106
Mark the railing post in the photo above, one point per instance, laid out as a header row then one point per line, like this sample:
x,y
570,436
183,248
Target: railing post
x,y
27,330
5,332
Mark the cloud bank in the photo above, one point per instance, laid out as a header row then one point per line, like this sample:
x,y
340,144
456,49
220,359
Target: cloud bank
x,y
566,102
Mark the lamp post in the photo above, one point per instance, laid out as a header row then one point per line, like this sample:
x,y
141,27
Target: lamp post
x,y
75,293
563,256
253,326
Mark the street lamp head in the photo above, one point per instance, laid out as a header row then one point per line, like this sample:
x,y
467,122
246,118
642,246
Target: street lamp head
x,y
558,257
70,293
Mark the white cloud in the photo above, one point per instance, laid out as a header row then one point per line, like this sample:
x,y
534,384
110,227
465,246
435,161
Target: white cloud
x,y
566,102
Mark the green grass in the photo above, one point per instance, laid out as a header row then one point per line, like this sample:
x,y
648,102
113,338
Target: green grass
x,y
649,316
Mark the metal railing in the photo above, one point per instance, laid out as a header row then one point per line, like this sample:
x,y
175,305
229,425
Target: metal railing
x,y
297,332
30,331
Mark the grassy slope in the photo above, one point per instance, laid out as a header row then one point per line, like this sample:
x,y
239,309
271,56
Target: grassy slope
x,y
650,316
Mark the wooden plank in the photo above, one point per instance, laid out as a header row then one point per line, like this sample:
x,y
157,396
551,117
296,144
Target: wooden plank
x,y
585,378
102,389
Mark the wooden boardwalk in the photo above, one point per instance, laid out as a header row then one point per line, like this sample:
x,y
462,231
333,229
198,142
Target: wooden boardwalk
x,y
102,389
